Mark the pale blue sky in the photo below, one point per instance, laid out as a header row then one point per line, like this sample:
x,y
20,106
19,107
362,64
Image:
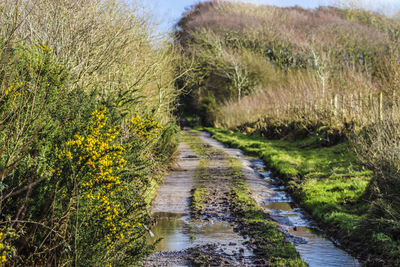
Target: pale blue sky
x,y
167,12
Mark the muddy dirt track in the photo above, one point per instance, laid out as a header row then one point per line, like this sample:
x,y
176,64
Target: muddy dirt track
x,y
209,235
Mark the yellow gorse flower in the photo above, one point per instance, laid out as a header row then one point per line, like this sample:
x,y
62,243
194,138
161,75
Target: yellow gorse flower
x,y
3,250
101,159
13,92
43,47
144,130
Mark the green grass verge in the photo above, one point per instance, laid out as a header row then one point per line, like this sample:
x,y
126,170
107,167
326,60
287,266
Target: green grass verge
x,y
268,239
326,181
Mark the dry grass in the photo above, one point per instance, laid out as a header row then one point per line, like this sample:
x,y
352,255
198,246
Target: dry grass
x,y
299,97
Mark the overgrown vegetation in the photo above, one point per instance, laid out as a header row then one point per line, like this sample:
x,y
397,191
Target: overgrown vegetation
x,y
288,65
320,81
86,124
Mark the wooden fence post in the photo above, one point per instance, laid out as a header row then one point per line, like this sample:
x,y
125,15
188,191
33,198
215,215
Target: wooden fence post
x,y
360,107
394,104
371,106
380,107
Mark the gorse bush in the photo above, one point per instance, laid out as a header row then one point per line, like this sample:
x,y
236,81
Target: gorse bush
x,y
86,126
96,163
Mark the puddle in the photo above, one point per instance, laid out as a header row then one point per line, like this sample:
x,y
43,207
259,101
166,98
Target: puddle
x,y
320,252
172,223
223,234
178,233
313,247
172,228
279,196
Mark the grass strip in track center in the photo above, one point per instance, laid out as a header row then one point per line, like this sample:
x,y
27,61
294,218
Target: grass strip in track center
x,y
200,192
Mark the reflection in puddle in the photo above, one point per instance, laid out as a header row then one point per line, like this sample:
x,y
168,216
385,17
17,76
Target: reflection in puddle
x,y
312,246
279,196
286,206
172,228
178,233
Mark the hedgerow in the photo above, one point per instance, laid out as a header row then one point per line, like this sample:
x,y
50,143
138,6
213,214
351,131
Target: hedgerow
x,y
86,128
